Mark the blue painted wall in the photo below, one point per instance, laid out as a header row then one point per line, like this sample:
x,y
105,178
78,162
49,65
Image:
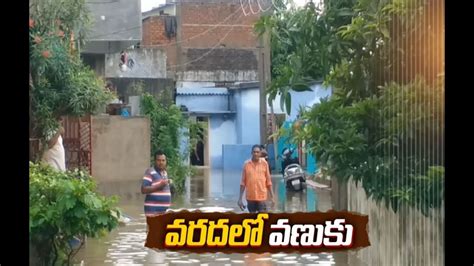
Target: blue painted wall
x,y
283,142
248,119
222,127
307,98
237,98
250,116
271,156
243,127
203,102
222,132
235,155
311,165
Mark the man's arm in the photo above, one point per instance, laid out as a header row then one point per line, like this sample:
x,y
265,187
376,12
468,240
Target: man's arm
x,y
242,189
241,194
148,188
239,202
154,188
270,193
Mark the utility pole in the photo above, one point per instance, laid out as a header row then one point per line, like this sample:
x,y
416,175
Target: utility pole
x,y
264,74
264,68
268,75
262,81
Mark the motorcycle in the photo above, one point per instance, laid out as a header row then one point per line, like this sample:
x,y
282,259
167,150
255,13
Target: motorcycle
x,y
293,174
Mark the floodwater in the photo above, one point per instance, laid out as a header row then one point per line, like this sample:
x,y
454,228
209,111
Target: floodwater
x,y
213,190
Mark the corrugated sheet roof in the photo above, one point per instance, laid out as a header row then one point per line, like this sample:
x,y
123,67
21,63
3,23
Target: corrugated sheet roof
x,y
201,94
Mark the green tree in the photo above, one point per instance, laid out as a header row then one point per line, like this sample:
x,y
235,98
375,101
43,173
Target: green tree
x,y
62,205
168,127
60,84
384,124
304,45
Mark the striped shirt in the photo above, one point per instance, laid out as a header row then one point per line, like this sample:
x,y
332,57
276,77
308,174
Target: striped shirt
x,y
158,201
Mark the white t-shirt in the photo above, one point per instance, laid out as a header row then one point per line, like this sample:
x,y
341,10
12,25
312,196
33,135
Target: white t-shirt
x,y
56,156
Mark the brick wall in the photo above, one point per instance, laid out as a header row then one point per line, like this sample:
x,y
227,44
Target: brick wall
x,y
154,31
154,36
213,22
237,37
220,59
224,25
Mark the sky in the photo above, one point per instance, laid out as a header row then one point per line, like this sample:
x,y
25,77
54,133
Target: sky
x,y
150,4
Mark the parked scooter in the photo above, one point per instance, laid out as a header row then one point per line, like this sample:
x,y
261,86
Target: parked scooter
x,y
293,174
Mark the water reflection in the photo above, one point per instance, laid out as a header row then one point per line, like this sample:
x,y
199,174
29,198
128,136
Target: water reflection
x,y
287,201
294,201
210,191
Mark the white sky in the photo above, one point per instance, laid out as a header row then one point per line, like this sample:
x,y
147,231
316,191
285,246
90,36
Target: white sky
x,y
150,4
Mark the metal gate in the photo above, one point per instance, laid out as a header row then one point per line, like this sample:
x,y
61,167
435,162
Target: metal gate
x,y
77,141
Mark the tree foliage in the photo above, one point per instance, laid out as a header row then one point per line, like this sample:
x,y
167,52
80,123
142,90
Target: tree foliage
x,y
384,123
60,84
168,127
64,205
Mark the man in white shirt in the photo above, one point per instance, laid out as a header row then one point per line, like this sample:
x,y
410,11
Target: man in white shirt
x,y
55,155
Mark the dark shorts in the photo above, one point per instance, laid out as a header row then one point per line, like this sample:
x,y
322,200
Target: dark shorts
x,y
256,206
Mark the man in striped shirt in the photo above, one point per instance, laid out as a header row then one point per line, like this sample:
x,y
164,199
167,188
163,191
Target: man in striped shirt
x,y
156,186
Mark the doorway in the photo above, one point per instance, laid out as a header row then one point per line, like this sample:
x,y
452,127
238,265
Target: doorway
x,y
200,154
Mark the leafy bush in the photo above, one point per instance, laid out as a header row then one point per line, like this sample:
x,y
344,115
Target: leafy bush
x,y
167,126
389,143
60,84
384,123
64,205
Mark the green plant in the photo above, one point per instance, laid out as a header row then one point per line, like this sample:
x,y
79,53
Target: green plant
x,y
382,126
196,134
165,96
64,205
60,84
168,127
304,45
137,88
389,143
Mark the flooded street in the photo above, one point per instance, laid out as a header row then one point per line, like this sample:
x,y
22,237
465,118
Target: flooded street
x,y
212,190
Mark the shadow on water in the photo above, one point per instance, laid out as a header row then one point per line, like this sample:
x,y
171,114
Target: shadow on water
x,y
211,189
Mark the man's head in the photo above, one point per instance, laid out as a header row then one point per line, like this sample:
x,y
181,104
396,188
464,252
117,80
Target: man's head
x,y
256,152
160,160
263,151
